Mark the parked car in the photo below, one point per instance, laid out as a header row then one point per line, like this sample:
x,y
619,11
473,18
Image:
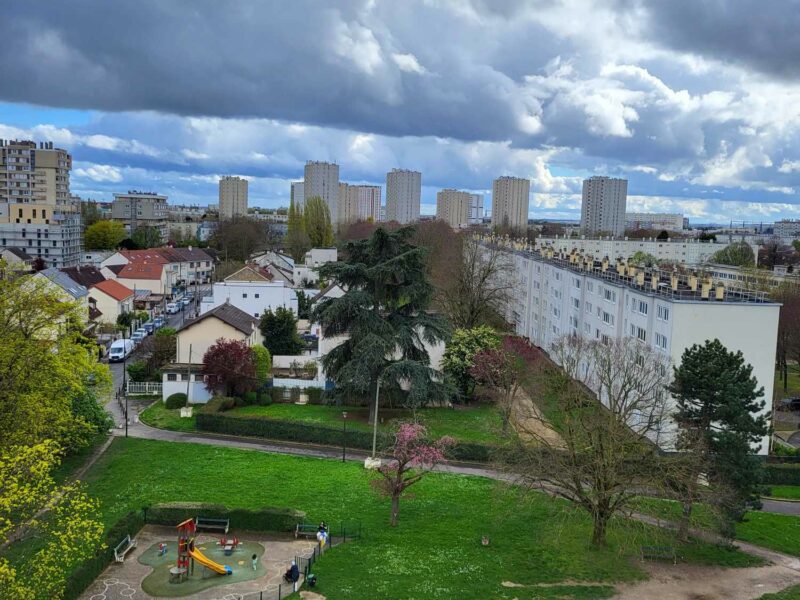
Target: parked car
x,y
139,335
159,322
119,350
149,327
172,308
792,404
186,301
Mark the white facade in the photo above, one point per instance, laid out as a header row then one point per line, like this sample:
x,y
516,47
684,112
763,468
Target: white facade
x,y
553,297
141,209
510,199
787,228
252,297
232,197
359,203
603,205
322,179
298,194
403,192
476,209
656,221
683,251
453,207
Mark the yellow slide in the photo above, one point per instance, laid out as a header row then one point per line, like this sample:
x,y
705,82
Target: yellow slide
x,y
210,564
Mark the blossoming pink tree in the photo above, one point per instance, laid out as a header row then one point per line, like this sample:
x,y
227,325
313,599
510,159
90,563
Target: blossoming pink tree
x,y
412,457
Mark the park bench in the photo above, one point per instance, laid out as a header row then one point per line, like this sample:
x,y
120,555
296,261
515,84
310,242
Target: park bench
x,y
121,549
209,523
306,530
659,553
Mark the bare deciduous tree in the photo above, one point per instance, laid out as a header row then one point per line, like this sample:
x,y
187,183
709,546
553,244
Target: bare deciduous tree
x,y
605,453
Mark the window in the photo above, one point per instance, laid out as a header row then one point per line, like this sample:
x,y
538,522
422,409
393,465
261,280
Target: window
x,y
609,295
588,307
255,315
573,321
576,303
590,286
172,377
577,282
633,329
244,295
642,307
663,313
608,318
641,334
184,377
587,329
605,339
556,312
661,341
257,295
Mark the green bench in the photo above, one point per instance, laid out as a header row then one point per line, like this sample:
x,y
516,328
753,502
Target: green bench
x,y
306,530
214,524
659,553
121,549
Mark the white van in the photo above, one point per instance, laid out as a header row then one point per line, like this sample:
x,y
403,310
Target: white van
x,y
120,350
172,308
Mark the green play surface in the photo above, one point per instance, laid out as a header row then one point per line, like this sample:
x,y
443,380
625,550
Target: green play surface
x,y
158,583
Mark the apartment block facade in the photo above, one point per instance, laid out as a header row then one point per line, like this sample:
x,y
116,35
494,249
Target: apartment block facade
x,y
359,203
403,193
297,193
141,209
510,199
655,221
322,179
603,206
453,207
232,197
554,294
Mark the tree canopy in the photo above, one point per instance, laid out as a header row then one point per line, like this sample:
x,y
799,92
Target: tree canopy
x,y
458,357
104,235
147,237
279,329
297,241
230,368
317,222
738,254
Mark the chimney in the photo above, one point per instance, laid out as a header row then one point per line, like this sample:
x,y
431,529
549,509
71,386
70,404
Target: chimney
x,y
655,279
640,278
720,292
673,282
604,265
693,282
705,290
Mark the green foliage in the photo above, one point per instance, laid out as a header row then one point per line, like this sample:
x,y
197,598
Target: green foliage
x,y
147,237
317,222
104,235
297,242
138,371
125,319
263,361
384,313
250,398
217,404
260,519
738,254
303,304
176,400
643,259
166,331
461,349
279,329
782,474
796,245
87,408
159,416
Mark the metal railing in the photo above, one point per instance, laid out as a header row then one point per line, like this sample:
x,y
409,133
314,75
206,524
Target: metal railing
x,y
143,388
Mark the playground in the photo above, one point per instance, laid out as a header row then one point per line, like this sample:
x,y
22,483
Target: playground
x,y
202,565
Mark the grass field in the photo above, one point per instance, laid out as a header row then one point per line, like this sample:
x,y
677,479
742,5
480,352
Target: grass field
x,y
158,415
435,552
788,492
792,593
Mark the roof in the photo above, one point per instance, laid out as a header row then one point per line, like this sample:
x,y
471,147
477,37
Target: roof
x,y
94,313
73,288
115,268
184,254
114,289
250,273
87,276
19,253
227,313
323,292
151,255
141,270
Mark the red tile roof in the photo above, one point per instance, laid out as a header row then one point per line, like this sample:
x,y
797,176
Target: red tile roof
x,y
152,255
141,270
114,289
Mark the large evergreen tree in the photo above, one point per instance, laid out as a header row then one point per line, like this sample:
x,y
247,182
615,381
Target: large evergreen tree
x,y
383,314
279,328
718,400
297,242
317,221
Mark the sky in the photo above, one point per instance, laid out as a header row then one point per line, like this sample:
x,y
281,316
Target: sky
x,y
697,104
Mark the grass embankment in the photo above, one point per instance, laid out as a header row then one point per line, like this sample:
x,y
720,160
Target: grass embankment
x,y
792,593
158,415
435,552
785,492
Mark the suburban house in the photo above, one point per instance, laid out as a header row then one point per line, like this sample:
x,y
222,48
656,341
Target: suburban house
x,y
251,289
16,259
87,276
195,337
112,299
178,266
308,273
66,289
147,275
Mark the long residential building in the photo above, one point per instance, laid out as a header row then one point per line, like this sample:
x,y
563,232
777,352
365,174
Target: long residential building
x,y
655,221
232,197
141,209
453,207
682,251
403,192
359,203
510,199
37,213
322,179
554,294
787,228
603,206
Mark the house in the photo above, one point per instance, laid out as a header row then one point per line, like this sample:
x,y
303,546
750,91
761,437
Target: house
x,y
194,339
112,299
67,290
179,266
87,276
333,290
251,289
16,259
95,258
145,275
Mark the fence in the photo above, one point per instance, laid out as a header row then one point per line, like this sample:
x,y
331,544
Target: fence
x,y
144,388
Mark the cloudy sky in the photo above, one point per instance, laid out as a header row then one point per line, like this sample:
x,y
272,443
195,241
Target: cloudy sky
x,y
697,104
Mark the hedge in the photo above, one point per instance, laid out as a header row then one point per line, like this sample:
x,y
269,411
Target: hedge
x,y
212,421
176,400
262,519
782,474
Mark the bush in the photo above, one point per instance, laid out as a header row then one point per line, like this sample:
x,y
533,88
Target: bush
x,y
218,404
249,398
264,398
316,395
262,519
177,400
263,362
138,371
787,474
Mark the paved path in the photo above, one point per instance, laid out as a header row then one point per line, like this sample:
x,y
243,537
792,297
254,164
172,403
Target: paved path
x,y
783,508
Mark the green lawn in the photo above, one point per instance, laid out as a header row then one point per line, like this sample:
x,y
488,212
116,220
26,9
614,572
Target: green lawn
x,y
792,593
793,381
469,424
789,492
158,415
435,552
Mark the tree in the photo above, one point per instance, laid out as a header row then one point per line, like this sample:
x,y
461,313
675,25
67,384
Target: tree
x,y
643,259
263,364
383,317
598,453
297,241
279,329
738,254
411,457
717,403
104,235
304,304
72,522
239,239
317,222
229,368
165,347
38,264
788,329
479,285
774,253
796,246
147,237
458,357
503,369
90,213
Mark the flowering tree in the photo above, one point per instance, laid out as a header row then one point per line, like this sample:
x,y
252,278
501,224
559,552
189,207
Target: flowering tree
x,y
503,369
412,457
229,367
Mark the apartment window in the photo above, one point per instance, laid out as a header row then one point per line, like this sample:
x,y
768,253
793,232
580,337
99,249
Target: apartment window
x,y
663,313
597,334
20,213
641,334
633,330
558,276
244,295
172,377
576,303
536,285
556,312
608,318
184,377
642,307
661,341
588,307
577,282
605,339
590,286
587,329
573,321
609,295
257,295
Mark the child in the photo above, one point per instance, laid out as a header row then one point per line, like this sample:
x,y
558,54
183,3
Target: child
x,y
162,549
255,561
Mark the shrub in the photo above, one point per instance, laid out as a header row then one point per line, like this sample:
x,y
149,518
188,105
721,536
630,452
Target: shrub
x,y
138,371
249,398
310,369
263,362
264,398
316,395
218,404
177,400
262,519
785,474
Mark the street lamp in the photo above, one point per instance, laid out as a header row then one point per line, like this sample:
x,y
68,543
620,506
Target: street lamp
x,y
125,379
344,434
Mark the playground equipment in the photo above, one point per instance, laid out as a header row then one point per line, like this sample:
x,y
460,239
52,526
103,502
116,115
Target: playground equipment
x,y
186,550
228,544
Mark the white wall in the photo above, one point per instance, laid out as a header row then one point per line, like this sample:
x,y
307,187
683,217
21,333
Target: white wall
x,y
252,297
198,394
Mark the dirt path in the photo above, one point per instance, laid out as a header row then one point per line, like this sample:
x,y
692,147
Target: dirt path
x,y
529,422
688,582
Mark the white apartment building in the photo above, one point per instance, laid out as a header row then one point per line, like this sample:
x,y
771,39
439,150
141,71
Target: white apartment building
x,y
141,209
682,251
603,205
322,179
787,228
510,199
297,193
556,294
359,203
656,221
476,209
232,197
453,207
403,192
252,291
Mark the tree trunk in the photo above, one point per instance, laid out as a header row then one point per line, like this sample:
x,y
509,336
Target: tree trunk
x,y
600,521
686,515
395,510
372,412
